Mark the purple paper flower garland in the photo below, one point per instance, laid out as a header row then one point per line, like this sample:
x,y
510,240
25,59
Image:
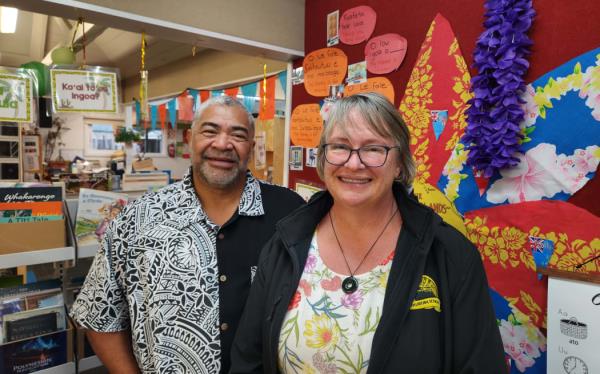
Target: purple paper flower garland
x,y
493,134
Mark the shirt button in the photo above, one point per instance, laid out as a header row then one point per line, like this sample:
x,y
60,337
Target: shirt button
x,y
221,236
223,278
224,326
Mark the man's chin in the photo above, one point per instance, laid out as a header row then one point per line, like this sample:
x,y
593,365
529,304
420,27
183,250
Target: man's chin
x,y
220,178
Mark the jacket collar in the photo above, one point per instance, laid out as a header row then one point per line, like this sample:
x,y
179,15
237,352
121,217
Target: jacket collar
x,y
300,225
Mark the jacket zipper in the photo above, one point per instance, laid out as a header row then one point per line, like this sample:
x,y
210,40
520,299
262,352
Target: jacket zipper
x,y
276,316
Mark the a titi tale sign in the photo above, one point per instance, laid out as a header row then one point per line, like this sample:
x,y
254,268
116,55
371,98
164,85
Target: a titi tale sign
x,y
84,91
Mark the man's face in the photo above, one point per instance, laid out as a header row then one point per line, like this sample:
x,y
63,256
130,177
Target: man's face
x,y
221,144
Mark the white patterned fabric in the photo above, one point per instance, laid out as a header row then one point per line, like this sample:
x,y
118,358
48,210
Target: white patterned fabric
x,y
326,330
156,274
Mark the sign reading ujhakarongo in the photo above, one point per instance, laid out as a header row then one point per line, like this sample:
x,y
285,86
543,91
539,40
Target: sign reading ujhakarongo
x,y
16,92
84,91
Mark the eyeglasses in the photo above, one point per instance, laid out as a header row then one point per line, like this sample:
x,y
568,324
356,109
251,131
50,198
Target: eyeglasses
x,y
372,155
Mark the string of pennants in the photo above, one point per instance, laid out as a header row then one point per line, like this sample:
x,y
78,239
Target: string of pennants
x,y
165,113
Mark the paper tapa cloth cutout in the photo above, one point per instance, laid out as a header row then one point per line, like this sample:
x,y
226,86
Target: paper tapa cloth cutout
x,y
436,200
439,80
561,152
502,233
524,343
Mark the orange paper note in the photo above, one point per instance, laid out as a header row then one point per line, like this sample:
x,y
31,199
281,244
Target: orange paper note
x,y
324,67
378,84
306,125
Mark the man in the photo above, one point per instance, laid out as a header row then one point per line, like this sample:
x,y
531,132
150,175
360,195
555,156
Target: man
x,y
167,288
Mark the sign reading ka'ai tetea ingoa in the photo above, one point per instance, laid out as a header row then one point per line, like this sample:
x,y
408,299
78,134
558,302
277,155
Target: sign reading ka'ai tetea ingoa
x,y
84,91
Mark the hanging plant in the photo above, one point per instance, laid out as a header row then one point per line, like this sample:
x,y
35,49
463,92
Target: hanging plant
x,y
493,134
127,136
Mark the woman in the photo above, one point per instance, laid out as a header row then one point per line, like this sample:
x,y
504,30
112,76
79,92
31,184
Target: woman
x,y
364,278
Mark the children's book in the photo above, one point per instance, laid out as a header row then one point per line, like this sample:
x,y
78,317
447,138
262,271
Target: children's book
x,y
95,210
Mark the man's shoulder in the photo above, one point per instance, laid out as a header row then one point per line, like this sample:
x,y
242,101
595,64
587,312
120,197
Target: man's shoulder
x,y
155,198
274,193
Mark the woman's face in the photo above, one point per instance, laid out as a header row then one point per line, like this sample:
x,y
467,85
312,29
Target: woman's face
x,y
354,184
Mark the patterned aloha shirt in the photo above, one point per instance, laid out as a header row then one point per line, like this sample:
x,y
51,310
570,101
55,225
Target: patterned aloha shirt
x,y
156,274
326,330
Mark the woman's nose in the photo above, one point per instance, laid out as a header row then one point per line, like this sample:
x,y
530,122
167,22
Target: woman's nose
x,y
354,162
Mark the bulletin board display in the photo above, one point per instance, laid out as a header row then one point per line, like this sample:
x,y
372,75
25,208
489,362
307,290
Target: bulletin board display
x,y
561,32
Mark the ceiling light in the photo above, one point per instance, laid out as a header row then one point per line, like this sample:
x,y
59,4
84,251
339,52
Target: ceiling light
x,y
8,20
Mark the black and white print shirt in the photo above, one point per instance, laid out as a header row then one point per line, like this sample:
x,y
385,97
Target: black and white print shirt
x,y
156,274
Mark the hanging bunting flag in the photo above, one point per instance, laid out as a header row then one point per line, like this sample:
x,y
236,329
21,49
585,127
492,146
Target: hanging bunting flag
x,y
184,102
194,93
233,91
172,113
162,115
283,80
153,115
204,95
267,97
138,116
249,92
215,93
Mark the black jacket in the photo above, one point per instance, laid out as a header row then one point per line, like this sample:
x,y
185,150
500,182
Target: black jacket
x,y
461,338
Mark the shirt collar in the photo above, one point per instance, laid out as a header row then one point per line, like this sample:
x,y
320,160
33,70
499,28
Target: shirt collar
x,y
250,201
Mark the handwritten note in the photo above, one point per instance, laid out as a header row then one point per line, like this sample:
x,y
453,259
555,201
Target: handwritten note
x,y
385,53
306,125
324,67
357,24
378,84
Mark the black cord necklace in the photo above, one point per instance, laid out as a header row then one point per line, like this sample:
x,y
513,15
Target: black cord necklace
x,y
350,284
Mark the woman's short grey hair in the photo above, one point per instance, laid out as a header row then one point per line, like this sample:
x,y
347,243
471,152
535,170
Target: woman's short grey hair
x,y
382,118
224,100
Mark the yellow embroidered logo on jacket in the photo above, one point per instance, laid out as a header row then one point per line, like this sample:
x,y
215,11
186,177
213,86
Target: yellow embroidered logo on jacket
x,y
427,296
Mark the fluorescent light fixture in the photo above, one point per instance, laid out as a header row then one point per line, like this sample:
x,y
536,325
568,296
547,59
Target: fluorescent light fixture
x,y
8,20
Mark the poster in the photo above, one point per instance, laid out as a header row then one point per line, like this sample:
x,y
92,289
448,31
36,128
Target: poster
x,y
84,91
260,150
297,76
296,158
357,73
573,325
333,19
16,94
311,157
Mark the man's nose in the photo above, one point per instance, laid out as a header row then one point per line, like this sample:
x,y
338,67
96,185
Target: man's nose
x,y
222,141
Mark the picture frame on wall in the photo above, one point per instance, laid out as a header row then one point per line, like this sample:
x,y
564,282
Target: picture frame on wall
x,y
333,22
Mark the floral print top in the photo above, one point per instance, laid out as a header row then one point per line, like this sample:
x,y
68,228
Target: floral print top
x,y
326,330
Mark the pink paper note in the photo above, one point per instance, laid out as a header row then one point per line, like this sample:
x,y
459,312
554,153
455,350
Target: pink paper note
x,y
357,24
385,53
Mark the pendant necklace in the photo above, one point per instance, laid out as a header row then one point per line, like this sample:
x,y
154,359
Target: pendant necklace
x,y
350,283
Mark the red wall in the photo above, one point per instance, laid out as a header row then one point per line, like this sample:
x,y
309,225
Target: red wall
x,y
561,31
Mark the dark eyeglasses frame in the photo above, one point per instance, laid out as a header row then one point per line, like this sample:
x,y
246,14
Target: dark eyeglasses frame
x,y
357,150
